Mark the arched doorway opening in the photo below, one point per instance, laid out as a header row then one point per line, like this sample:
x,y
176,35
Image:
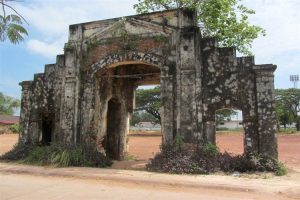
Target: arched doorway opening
x,y
112,138
115,102
145,136
229,130
47,123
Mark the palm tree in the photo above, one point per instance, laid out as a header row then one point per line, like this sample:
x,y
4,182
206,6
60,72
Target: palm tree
x,y
11,25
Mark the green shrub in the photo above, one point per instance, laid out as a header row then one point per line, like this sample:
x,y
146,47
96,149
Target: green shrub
x,y
178,142
15,128
60,155
281,170
207,159
211,149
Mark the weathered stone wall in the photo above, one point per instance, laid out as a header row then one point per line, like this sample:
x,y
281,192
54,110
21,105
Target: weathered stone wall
x,y
88,95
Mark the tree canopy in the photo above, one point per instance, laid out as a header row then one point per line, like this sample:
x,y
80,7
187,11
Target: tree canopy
x,y
288,106
149,100
8,104
226,20
11,25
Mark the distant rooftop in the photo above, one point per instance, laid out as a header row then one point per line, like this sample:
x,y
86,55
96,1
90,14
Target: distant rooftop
x,y
8,120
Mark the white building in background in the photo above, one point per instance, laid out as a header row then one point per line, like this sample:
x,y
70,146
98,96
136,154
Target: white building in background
x,y
233,124
146,126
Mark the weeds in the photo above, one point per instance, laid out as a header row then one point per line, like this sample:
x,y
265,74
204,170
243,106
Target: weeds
x,y
207,159
60,155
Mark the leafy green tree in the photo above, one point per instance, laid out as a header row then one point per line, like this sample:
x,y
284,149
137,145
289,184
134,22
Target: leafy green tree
x,y
226,20
142,116
11,25
149,101
288,106
8,104
224,115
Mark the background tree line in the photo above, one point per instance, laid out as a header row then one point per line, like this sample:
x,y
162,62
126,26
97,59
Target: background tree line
x,y
288,107
148,103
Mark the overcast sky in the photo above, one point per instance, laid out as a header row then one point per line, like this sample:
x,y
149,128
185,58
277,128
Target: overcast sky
x,y
48,31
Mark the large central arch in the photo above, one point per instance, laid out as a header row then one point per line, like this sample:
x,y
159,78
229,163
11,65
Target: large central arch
x,y
114,79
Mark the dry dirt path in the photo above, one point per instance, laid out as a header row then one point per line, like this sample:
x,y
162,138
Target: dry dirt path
x,y
28,182
144,146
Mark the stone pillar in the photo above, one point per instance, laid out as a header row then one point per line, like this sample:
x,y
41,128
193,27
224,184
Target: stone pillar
x,y
251,135
167,103
69,105
186,48
266,109
25,111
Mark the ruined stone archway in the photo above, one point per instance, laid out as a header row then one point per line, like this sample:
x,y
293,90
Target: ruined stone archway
x,y
116,81
196,76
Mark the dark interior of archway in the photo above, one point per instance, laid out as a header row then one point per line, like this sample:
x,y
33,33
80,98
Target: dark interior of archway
x,y
112,140
47,126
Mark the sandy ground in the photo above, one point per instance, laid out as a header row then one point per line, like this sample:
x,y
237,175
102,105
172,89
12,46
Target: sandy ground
x,y
7,141
28,182
143,146
31,182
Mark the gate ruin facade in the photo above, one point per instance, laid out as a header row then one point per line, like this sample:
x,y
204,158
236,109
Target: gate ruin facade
x,y
89,91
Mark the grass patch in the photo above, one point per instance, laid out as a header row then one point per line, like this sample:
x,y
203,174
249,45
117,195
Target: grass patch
x,y
281,170
288,131
59,155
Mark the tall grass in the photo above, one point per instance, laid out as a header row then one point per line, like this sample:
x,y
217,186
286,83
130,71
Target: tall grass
x,y
59,155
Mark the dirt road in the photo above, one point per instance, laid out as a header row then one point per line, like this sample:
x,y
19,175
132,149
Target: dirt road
x,y
144,146
29,182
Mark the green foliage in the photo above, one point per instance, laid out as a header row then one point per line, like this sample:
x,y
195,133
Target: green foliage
x,y
8,104
15,128
288,106
178,142
11,28
211,149
207,159
11,25
129,157
281,170
226,20
60,155
149,100
142,116
224,115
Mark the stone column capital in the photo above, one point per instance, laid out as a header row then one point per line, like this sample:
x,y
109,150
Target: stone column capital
x,y
25,85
